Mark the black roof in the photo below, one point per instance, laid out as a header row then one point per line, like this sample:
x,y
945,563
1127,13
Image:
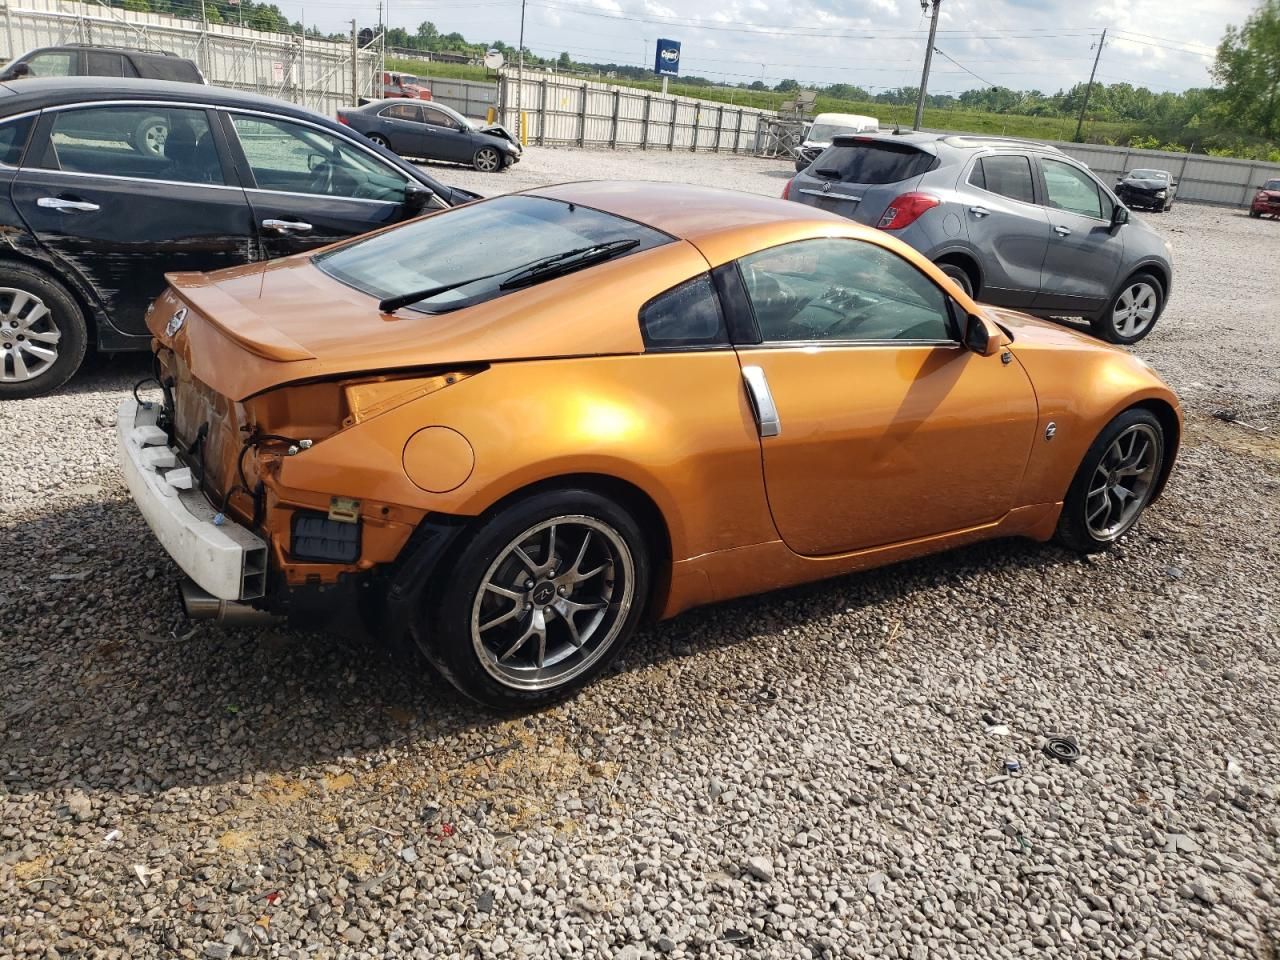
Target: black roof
x,y
32,93
110,47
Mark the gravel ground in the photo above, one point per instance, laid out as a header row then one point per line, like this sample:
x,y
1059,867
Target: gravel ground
x,y
804,774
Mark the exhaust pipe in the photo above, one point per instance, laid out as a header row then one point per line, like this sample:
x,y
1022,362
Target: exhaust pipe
x,y
202,605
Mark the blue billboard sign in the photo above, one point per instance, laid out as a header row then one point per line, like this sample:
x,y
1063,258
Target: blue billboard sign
x,y
666,62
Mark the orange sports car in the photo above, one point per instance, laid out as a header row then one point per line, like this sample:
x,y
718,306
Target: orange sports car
x,y
517,428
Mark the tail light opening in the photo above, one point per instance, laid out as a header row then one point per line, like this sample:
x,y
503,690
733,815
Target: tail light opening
x,y
906,210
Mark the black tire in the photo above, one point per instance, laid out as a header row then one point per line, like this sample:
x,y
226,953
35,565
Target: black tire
x,y
1109,325
461,601
1256,214
380,140
1074,529
960,275
487,160
64,319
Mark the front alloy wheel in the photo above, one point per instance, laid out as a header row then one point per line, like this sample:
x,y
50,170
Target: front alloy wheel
x,y
1114,483
1133,311
487,160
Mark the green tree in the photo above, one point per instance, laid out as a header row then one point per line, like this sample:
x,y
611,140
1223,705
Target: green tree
x,y
137,6
784,86
1248,67
564,62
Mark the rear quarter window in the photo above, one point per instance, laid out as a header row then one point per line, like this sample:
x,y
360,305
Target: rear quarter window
x,y
874,162
13,139
684,317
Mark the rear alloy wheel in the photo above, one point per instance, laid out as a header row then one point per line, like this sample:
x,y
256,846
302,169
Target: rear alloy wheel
x,y
1114,484
959,275
541,599
380,140
150,135
487,160
43,336
1133,311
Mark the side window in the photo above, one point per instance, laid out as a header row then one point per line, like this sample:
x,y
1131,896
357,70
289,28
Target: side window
x,y
1008,176
438,118
100,63
53,64
297,158
685,316
159,143
838,289
13,138
1071,189
403,111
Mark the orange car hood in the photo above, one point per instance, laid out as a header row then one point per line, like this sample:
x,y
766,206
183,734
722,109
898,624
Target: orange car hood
x,y
264,325
1029,331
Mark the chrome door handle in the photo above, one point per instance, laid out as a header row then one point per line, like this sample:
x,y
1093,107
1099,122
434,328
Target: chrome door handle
x,y
286,226
762,404
67,206
1062,231
980,212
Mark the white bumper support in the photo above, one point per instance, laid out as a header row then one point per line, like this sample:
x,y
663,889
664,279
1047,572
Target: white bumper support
x,y
224,558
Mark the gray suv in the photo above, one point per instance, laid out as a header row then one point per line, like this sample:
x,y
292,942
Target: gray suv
x,y
1014,223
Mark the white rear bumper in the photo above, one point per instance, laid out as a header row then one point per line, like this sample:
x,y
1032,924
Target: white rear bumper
x,y
226,559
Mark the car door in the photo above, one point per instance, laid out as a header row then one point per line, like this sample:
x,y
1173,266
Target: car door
x,y
120,215
1085,252
446,138
1007,227
885,428
401,124
308,186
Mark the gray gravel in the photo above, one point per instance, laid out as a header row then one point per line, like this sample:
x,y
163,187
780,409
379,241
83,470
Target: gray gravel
x,y
814,773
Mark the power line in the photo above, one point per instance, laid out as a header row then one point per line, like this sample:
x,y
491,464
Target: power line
x,y
964,68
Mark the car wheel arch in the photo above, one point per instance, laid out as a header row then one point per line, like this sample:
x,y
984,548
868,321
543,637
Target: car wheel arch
x,y
70,281
630,496
966,262
1171,427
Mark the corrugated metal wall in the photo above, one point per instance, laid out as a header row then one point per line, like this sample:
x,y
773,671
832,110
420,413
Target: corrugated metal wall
x,y
314,73
1220,180
561,111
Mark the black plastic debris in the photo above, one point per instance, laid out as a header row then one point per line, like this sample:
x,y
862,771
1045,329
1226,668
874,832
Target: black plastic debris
x,y
1062,749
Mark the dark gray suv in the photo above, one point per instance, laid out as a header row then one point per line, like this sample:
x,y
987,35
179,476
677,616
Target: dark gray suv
x,y
1014,223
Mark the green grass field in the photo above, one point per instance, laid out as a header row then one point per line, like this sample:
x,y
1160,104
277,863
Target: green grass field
x,y
963,121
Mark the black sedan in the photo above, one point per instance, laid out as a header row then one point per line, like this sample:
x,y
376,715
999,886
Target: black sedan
x,y
1149,189
94,216
431,131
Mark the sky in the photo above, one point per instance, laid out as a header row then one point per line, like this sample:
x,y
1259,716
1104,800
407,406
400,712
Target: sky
x,y
1045,45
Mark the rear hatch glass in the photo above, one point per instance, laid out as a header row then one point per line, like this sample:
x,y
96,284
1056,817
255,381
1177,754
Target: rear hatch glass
x,y
873,162
475,253
860,178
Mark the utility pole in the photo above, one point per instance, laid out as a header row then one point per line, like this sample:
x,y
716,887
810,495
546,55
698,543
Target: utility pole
x,y
1089,89
355,61
520,80
928,61
378,89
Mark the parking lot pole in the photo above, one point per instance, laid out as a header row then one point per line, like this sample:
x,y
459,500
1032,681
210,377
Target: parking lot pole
x,y
719,126
582,119
644,127
697,119
542,111
928,61
737,132
675,112
613,131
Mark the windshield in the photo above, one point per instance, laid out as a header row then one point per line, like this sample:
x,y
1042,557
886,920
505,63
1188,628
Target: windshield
x,y
1150,175
484,240
825,132
1271,185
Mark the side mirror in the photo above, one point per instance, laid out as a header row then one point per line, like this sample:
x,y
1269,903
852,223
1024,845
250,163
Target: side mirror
x,y
416,198
979,337
1173,183
1119,217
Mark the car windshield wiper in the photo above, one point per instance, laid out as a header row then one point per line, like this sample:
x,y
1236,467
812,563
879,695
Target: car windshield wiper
x,y
523,275
566,262
830,173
